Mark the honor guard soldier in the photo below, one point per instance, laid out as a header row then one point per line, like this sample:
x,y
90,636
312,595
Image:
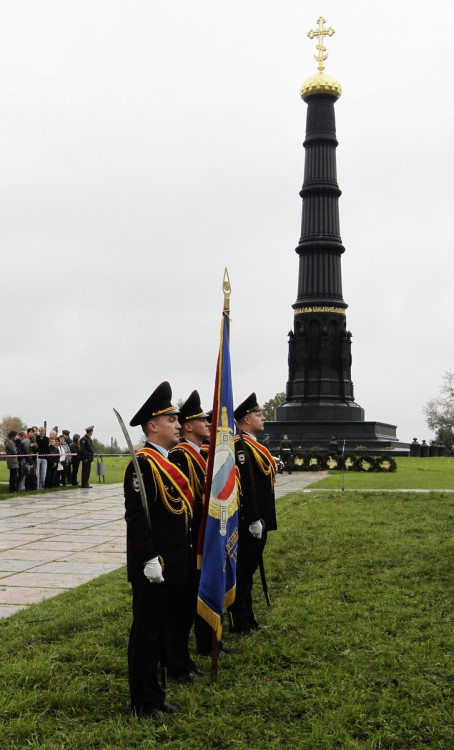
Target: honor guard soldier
x,y
257,515
158,552
286,453
187,455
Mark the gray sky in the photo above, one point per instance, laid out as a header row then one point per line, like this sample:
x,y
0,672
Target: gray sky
x,y
146,145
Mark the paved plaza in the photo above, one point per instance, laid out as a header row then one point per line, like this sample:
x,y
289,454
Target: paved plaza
x,y
52,542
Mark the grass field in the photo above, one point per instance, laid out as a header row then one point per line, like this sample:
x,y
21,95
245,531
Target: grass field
x,y
412,473
359,652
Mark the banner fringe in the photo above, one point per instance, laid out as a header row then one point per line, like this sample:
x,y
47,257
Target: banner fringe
x,y
211,617
229,597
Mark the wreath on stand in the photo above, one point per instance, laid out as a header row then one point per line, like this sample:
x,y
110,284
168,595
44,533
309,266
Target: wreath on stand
x,y
386,463
316,462
365,463
333,462
349,461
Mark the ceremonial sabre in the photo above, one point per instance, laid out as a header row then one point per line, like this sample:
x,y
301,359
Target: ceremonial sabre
x,y
143,494
264,583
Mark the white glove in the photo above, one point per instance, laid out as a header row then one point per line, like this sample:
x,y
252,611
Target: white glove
x,y
153,571
256,529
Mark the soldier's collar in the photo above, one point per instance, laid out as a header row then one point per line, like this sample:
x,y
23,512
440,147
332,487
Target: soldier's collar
x,y
159,448
194,445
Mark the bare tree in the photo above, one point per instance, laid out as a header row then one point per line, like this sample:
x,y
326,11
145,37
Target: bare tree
x,y
10,423
440,412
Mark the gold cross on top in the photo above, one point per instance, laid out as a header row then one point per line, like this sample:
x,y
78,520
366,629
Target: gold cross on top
x,y
321,32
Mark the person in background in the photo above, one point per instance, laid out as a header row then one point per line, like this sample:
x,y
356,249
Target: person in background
x,y
23,447
68,458
86,456
67,462
286,453
42,442
75,458
31,483
52,462
62,449
12,461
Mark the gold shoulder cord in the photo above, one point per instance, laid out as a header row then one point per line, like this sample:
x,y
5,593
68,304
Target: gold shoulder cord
x,y
177,506
264,466
194,480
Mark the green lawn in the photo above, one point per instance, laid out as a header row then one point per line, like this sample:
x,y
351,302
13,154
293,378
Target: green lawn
x,y
359,652
412,473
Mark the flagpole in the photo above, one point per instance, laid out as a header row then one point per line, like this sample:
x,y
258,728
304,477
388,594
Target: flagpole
x,y
218,536
214,671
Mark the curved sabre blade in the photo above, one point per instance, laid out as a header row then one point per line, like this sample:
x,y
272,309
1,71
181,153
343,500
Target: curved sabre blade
x,y
143,494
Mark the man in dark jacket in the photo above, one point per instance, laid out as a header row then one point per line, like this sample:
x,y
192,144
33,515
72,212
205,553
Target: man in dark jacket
x,y
257,470
86,455
42,442
12,461
158,551
286,453
75,458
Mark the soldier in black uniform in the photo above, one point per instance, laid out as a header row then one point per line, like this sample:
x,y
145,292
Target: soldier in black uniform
x,y
257,516
86,456
158,552
195,430
286,453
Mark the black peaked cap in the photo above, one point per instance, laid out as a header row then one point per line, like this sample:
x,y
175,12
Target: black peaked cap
x,y
160,402
192,409
249,404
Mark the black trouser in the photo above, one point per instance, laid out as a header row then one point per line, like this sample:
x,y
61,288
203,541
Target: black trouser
x,y
286,459
74,470
250,551
13,480
51,474
86,468
151,641
183,613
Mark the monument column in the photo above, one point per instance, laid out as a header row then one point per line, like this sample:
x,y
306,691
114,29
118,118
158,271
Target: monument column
x,y
319,387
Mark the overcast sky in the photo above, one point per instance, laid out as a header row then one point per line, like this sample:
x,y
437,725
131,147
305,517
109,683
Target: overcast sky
x,y
145,145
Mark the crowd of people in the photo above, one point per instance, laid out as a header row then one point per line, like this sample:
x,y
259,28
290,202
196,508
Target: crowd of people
x,y
162,528
39,461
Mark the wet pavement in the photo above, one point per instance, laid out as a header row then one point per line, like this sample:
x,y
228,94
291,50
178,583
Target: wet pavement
x,y
53,542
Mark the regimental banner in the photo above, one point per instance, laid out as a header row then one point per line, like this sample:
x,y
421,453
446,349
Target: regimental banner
x,y
335,310
218,541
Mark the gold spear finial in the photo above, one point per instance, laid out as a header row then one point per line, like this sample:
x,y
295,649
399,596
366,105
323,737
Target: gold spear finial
x,y
226,288
320,33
